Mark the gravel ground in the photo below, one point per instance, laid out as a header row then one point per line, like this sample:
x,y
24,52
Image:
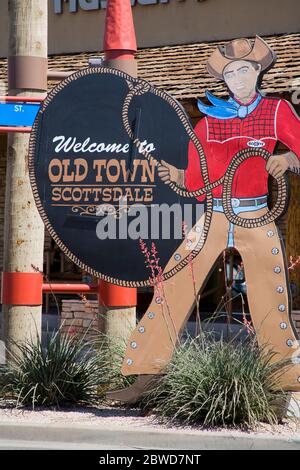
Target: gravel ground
x,y
106,416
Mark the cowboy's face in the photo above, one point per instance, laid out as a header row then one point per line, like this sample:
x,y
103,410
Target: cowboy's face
x,y
241,78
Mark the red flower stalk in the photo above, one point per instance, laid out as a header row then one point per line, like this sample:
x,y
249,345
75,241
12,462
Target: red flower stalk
x,y
294,263
156,279
248,324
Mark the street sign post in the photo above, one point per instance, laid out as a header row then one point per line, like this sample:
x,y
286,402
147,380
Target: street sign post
x,y
17,113
13,114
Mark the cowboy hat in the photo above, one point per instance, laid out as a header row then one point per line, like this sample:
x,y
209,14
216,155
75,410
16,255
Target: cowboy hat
x,y
240,49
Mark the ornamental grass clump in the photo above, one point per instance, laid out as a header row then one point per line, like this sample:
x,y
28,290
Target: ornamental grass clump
x,y
215,383
65,371
110,353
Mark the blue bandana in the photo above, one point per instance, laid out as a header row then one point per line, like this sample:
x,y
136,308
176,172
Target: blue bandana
x,y
223,109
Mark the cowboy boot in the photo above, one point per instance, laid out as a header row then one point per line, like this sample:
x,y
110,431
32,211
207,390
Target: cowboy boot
x,y
133,393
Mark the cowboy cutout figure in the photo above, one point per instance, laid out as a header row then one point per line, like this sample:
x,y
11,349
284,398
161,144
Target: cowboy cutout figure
x,y
246,119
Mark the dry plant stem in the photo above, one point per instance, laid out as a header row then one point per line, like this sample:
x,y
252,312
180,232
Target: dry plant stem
x,y
151,262
196,296
227,296
169,314
162,289
247,323
47,279
293,263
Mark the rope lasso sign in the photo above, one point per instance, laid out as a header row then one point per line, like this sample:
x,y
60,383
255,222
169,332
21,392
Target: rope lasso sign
x,y
226,179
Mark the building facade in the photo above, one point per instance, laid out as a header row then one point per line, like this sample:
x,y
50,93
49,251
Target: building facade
x,y
77,25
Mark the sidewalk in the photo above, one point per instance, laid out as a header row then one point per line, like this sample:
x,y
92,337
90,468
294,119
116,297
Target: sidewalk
x,y
114,428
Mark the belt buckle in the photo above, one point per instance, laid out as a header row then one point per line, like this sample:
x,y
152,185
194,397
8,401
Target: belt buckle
x,y
235,202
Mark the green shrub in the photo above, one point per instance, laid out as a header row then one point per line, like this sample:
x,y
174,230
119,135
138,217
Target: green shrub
x,y
110,353
217,383
66,371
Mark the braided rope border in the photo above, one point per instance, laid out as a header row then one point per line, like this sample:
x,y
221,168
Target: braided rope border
x,y
267,218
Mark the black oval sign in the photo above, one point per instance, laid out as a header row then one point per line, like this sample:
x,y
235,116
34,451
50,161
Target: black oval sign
x,y
97,193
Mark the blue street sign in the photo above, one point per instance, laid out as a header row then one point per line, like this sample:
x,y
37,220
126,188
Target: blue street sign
x,y
18,114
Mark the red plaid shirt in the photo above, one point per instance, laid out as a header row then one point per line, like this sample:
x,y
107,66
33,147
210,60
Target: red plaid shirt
x,y
272,120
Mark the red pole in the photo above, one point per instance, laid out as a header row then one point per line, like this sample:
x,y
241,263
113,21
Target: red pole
x,y
58,75
22,99
58,288
22,130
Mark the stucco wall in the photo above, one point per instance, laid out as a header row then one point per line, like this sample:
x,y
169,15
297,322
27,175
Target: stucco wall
x,y
175,22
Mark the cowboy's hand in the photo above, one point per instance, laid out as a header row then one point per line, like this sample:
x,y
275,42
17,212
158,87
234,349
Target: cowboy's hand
x,y
168,172
277,165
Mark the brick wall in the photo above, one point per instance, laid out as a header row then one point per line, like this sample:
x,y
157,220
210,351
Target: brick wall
x,y
80,317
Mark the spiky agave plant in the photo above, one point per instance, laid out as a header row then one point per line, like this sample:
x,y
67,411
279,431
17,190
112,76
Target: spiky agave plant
x,y
65,371
217,383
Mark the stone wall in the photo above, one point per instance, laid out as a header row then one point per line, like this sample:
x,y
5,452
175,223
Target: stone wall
x,y
79,317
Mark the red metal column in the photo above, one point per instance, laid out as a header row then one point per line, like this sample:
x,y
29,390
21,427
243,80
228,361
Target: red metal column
x,y
111,295
21,288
